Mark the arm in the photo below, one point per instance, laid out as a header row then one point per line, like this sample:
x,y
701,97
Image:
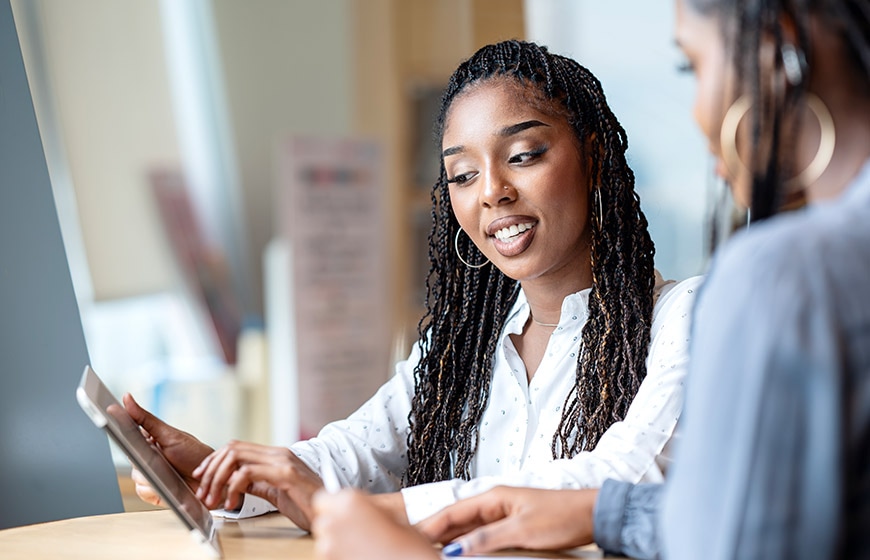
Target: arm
x,y
626,519
629,450
368,450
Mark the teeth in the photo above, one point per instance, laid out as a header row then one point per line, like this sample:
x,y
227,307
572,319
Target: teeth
x,y
508,232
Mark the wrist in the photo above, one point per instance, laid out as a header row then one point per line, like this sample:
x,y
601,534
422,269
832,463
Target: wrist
x,y
393,504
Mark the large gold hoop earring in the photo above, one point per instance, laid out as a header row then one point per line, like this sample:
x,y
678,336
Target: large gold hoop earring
x,y
458,254
812,172
728,136
827,141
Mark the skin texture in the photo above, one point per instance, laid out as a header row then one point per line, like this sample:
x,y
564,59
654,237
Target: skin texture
x,y
238,467
187,454
500,176
509,163
349,524
181,449
501,518
508,517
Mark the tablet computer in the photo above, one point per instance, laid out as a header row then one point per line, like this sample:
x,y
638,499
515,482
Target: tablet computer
x,y
106,412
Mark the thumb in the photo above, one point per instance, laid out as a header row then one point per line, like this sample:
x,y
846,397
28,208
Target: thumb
x,y
151,423
489,538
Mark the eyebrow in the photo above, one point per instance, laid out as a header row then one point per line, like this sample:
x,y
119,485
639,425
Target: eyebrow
x,y
505,132
519,127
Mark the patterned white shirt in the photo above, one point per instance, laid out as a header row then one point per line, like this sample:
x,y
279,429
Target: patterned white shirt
x,y
369,448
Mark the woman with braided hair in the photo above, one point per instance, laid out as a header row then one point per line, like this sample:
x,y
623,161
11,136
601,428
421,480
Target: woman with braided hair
x,y
551,353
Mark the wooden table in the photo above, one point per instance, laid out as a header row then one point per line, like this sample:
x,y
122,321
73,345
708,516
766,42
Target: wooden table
x,y
152,535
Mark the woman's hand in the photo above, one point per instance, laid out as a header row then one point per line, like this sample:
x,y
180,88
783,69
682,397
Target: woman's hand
x,y
507,517
350,525
273,473
183,451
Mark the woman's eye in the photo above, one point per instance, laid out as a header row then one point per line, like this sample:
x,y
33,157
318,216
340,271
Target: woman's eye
x,y
461,178
526,157
685,67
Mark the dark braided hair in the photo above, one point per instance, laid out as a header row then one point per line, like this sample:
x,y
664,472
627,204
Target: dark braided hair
x,y
746,24
466,308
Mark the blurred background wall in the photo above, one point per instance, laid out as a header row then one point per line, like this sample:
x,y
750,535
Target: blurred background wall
x,y
199,93
629,46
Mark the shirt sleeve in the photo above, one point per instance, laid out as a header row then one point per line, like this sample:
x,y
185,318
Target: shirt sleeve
x,y
756,472
627,451
626,519
369,448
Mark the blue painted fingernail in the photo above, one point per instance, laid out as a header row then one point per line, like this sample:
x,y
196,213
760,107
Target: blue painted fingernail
x,y
452,549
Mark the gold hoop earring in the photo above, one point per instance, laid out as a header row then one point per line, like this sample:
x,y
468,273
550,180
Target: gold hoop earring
x,y
812,172
728,136
465,262
827,141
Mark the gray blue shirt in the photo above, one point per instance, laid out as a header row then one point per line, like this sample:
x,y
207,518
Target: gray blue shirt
x,y
774,457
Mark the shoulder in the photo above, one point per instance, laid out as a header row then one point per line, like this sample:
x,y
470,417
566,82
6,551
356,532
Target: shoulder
x,y
793,252
822,248
674,297
818,256
672,314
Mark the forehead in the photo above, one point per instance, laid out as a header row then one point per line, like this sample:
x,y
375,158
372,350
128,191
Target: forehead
x,y
693,30
496,102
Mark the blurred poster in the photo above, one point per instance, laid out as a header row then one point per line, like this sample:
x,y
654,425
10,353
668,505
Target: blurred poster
x,y
332,214
204,267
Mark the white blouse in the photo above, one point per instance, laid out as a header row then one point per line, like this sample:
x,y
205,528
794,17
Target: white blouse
x,y
369,448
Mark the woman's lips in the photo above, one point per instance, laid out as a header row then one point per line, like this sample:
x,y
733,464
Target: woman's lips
x,y
516,244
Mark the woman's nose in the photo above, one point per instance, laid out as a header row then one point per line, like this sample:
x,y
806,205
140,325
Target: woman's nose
x,y
497,190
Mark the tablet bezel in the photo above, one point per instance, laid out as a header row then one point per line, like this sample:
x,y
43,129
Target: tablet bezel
x,y
95,399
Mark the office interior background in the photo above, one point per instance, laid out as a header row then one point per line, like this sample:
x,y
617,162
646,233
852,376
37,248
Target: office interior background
x,y
160,110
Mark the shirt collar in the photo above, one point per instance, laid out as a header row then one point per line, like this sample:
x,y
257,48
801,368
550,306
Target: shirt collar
x,y
574,305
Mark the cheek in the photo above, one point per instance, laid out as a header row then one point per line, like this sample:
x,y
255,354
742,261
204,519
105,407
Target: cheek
x,y
704,113
462,201
571,201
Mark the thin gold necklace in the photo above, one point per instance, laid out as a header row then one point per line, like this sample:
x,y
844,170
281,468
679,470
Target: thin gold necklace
x,y
544,324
